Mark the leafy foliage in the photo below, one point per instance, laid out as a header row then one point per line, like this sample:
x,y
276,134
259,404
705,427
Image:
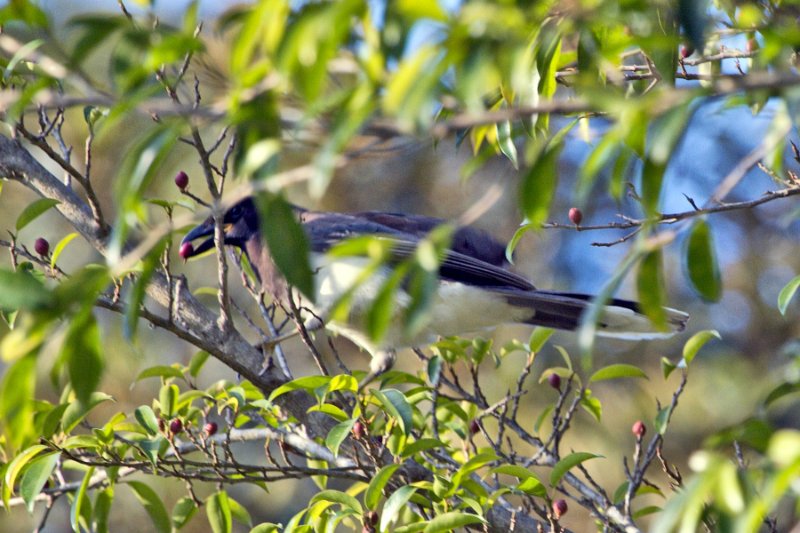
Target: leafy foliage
x,y
424,450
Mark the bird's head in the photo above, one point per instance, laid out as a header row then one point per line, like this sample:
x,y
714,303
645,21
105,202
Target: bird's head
x,y
239,224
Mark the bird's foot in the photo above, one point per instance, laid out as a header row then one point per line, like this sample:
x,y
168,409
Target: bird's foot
x,y
382,361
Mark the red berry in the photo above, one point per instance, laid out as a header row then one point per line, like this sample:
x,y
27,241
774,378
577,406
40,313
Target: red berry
x,y
182,180
371,517
554,380
41,246
186,251
686,51
176,426
474,427
559,508
210,428
358,430
575,216
639,429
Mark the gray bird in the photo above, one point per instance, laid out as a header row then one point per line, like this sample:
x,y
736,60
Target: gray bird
x,y
475,289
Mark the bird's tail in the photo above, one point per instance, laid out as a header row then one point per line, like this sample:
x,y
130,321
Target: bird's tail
x,y
621,319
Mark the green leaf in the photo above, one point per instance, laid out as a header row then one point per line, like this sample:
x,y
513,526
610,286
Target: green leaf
x,y
784,389
787,293
667,367
239,512
20,290
153,505
218,511
196,364
592,405
266,527
618,371
62,244
13,469
421,445
182,512
697,341
17,390
538,186
307,383
83,353
33,211
102,509
159,371
137,293
288,243
36,476
375,488
435,369
662,419
337,496
567,463
147,419
168,399
651,290
76,411
338,434
452,520
396,502
344,382
81,499
529,483
701,263
505,142
539,338
397,406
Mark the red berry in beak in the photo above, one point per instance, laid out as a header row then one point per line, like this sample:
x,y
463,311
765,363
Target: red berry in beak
x,y
186,251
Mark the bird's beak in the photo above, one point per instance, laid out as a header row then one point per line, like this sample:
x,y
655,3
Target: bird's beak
x,y
205,229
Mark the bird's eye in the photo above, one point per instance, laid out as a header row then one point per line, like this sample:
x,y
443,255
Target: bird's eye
x,y
236,212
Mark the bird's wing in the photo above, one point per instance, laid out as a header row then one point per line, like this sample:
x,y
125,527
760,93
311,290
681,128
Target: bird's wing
x,y
466,240
327,229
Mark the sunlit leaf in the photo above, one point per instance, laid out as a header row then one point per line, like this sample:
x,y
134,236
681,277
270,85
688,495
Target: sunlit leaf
x,y
338,434
375,488
567,463
617,371
33,210
182,512
218,511
697,341
397,406
336,496
787,293
36,476
452,520
396,502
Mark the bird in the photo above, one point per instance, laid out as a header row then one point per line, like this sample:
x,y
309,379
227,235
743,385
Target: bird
x,y
476,289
